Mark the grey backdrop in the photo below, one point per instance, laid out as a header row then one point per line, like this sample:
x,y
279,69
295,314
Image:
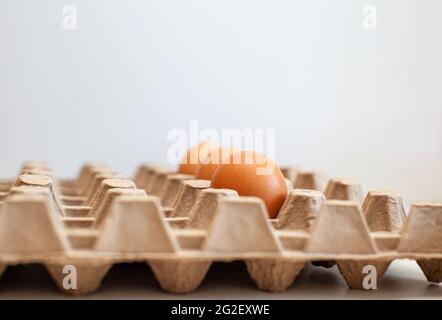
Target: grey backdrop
x,y
342,99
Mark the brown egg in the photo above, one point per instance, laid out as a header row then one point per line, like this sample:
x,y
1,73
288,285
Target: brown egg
x,y
193,157
212,161
252,174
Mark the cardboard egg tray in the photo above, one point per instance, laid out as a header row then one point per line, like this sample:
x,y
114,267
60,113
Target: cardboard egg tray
x,y
179,226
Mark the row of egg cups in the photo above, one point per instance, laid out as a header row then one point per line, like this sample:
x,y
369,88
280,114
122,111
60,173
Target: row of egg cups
x,y
294,223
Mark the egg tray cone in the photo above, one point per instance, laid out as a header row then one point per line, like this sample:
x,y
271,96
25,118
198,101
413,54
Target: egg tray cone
x,y
100,219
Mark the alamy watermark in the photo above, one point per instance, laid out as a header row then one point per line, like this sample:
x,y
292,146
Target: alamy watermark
x,y
370,281
70,19
70,278
370,17
258,139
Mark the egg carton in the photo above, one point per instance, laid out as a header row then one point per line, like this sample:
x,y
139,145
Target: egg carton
x,y
100,219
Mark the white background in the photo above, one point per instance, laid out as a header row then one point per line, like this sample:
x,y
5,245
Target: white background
x,y
342,99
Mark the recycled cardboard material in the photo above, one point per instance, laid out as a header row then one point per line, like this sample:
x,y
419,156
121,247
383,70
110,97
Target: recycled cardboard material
x,y
310,180
344,189
117,221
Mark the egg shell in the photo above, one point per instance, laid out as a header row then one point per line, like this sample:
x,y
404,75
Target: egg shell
x,y
213,160
244,173
194,156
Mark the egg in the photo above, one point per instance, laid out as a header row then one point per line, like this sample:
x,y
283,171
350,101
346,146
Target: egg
x,y
208,166
192,159
252,174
